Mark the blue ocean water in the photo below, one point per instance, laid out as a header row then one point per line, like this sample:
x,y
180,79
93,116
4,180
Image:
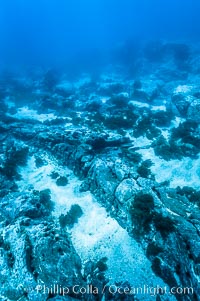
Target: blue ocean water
x,y
85,32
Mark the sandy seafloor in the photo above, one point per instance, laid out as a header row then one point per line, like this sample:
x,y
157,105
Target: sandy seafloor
x,y
96,235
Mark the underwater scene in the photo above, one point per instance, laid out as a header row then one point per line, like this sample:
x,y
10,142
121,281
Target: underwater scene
x,y
99,150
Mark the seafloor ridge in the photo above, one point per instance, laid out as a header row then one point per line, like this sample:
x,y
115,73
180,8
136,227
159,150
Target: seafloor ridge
x,y
100,180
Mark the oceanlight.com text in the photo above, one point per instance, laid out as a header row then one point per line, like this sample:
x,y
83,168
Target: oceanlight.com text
x,y
113,289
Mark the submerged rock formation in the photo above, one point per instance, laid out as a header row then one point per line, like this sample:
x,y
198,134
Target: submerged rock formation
x,y
134,145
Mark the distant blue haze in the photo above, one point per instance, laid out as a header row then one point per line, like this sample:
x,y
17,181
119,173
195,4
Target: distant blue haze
x,y
56,32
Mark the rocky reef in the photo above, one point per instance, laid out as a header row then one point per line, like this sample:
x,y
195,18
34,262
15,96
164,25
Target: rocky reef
x,y
133,144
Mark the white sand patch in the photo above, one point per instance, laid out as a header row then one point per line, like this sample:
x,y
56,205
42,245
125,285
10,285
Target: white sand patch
x,y
185,172
96,234
69,125
183,89
159,108
139,104
165,133
26,113
104,99
141,141
176,122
